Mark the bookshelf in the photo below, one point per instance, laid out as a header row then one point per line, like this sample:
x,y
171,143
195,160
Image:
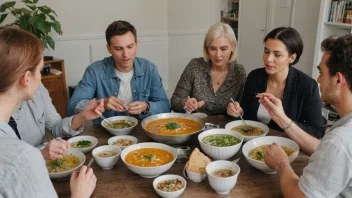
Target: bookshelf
x,y
326,29
232,16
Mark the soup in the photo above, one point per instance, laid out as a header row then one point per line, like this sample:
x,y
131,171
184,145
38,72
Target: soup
x,y
248,130
220,140
149,157
258,152
66,163
120,124
81,144
222,172
170,185
106,154
123,142
173,126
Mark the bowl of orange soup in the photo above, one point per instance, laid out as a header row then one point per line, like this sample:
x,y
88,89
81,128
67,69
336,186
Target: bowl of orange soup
x,y
172,128
149,159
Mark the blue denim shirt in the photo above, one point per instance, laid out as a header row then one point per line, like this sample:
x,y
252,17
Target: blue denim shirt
x,y
100,81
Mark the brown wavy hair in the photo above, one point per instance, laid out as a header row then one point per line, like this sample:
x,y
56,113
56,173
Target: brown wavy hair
x,y
20,51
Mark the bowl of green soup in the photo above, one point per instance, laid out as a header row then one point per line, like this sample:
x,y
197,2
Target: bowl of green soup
x,y
220,144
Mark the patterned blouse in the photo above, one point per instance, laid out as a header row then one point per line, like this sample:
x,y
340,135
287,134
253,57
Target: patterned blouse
x,y
196,82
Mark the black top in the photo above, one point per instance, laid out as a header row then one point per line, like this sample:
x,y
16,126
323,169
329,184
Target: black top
x,y
300,100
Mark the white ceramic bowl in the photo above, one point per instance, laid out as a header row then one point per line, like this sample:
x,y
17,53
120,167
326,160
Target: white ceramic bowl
x,y
124,131
128,137
247,147
200,115
65,174
232,124
195,177
222,185
220,153
106,162
149,172
169,194
84,137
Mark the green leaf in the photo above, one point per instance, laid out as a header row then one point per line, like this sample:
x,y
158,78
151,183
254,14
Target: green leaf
x,y
26,11
50,42
23,22
49,10
6,5
44,9
35,1
57,27
27,1
32,7
52,17
2,17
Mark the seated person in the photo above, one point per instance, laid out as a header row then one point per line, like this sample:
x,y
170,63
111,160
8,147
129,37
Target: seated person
x,y
299,92
208,84
124,81
23,172
328,173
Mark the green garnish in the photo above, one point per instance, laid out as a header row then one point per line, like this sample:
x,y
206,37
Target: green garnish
x,y
151,157
83,143
56,163
172,125
260,155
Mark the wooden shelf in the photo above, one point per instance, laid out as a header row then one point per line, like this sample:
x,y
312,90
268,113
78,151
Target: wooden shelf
x,y
229,18
340,25
56,86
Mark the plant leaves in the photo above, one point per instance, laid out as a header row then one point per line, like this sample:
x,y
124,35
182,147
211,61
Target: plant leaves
x,y
50,42
57,27
27,1
44,9
32,7
23,22
6,5
2,17
35,1
52,17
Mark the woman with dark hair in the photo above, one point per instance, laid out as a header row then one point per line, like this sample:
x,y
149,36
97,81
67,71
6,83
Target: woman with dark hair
x,y
23,172
299,93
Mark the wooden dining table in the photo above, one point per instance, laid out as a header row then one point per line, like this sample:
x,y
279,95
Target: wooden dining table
x,y
121,182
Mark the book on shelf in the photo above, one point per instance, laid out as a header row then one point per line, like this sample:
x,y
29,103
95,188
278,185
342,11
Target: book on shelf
x,y
340,11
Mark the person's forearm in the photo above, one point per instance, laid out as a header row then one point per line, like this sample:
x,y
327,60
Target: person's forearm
x,y
77,121
305,141
288,181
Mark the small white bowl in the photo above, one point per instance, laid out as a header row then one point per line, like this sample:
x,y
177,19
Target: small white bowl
x,y
106,162
195,177
247,147
64,174
84,137
169,194
220,153
200,115
149,172
124,131
232,124
222,185
129,137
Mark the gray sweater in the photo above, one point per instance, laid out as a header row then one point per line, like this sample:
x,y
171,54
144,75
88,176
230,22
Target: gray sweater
x,y
22,168
196,82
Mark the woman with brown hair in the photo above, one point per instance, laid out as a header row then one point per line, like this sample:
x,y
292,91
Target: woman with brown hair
x,y
23,172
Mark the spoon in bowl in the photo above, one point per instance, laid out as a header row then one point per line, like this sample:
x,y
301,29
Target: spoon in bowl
x,y
106,120
240,116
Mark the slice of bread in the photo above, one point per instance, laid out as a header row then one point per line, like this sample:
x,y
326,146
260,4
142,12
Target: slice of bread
x,y
197,162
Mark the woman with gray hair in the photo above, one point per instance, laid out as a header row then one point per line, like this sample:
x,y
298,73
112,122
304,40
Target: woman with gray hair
x,y
208,83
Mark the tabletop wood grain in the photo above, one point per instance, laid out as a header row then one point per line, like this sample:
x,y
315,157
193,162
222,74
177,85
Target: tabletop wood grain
x,y
121,182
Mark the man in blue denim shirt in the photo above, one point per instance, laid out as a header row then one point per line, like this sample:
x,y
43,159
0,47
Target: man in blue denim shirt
x,y
128,84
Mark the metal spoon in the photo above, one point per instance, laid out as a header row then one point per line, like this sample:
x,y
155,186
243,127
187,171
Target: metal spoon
x,y
106,120
240,116
90,162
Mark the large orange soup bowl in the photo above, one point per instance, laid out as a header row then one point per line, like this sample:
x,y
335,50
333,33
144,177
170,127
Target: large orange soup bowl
x,y
172,128
149,159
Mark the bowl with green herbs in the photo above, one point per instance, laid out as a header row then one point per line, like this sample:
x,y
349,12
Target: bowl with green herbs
x,y
172,128
83,143
63,168
250,131
120,125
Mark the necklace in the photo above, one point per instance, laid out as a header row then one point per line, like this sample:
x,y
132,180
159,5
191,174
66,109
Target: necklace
x,y
218,82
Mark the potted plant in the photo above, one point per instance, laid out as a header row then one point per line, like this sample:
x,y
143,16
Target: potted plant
x,y
39,20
